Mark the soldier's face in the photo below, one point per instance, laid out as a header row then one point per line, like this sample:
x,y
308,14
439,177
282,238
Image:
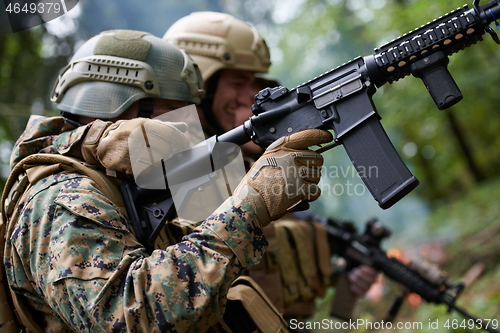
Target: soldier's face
x,y
233,91
242,114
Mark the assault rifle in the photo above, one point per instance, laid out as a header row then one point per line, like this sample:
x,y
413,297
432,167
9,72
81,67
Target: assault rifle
x,y
341,100
419,277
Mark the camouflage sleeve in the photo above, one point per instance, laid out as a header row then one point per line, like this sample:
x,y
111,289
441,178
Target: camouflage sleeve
x,y
48,135
73,250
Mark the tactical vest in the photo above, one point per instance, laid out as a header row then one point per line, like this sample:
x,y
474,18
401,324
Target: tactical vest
x,y
247,304
297,262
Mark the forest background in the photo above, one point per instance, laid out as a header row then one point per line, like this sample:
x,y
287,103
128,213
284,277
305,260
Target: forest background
x,y
452,218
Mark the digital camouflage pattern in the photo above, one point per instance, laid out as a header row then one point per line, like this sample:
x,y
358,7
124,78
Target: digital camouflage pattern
x,y
71,255
55,135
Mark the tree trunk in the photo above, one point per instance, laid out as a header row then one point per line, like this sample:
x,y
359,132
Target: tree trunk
x,y
464,147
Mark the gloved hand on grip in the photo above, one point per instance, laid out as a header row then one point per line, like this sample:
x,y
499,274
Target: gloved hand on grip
x,y
146,141
361,279
286,174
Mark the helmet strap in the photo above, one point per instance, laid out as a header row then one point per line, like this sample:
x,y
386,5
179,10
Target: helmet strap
x,y
207,102
70,116
146,108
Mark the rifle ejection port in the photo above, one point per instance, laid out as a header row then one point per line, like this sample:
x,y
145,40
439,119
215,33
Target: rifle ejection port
x,y
337,91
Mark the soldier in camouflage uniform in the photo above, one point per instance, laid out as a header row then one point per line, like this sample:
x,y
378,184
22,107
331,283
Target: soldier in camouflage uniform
x,y
71,258
231,54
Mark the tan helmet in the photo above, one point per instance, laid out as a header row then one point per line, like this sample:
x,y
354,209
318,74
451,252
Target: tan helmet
x,y
217,41
114,69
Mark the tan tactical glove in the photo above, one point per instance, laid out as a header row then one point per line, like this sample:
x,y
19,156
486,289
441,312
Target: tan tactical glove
x,y
361,279
150,140
285,175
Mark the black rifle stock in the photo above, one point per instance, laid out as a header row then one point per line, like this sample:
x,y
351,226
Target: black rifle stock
x,y
364,249
341,100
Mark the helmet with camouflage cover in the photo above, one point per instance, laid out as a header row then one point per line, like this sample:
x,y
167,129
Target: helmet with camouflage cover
x,y
217,41
119,67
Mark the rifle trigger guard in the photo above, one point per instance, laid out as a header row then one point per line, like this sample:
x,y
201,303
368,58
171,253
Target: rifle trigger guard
x,y
328,146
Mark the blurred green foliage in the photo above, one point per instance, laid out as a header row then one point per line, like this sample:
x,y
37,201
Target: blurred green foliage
x,y
471,225
19,65
471,229
29,64
441,161
155,16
